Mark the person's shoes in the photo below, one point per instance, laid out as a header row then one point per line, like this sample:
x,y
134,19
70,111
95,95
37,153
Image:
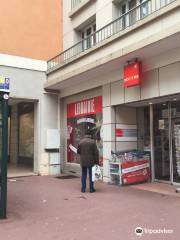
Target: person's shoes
x,y
92,190
82,190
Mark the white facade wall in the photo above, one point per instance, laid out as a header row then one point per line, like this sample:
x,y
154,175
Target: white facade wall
x,y
27,79
126,44
104,13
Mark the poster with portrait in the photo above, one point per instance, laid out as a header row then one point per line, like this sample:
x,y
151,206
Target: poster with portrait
x,y
82,116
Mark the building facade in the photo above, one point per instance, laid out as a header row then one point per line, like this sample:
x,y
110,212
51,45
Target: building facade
x,y
100,39
31,33
32,112
31,29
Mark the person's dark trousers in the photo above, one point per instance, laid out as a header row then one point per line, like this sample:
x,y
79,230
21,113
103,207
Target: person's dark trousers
x,y
83,179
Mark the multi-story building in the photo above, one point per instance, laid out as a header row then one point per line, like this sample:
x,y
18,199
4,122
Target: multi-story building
x,y
97,75
30,34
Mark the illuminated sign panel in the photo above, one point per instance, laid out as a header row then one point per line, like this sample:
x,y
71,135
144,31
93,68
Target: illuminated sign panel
x,y
132,74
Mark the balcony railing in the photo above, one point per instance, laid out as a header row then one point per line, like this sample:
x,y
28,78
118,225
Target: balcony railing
x,y
75,3
126,20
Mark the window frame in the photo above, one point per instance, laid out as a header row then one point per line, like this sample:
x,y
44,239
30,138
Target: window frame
x,y
88,39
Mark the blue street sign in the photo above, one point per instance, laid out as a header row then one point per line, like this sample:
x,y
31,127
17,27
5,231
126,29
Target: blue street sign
x,y
4,84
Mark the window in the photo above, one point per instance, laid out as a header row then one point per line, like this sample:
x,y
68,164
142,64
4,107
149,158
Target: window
x,y
144,9
134,13
75,3
131,18
89,39
124,17
164,2
82,116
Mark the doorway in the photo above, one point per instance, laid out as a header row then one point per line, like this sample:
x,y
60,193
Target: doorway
x,y
166,126
26,134
21,139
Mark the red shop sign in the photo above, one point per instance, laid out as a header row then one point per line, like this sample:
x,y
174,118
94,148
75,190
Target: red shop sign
x,y
85,107
132,74
119,132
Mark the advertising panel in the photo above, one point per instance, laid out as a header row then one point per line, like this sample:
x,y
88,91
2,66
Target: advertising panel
x,y
134,172
81,116
132,74
126,132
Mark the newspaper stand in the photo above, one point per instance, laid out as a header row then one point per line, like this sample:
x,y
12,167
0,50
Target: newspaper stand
x,y
129,167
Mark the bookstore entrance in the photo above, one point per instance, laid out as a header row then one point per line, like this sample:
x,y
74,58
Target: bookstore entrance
x,y
158,132
166,126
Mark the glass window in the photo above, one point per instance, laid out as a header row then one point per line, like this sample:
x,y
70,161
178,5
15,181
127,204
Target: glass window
x,y
133,13
131,17
81,116
143,126
87,34
144,9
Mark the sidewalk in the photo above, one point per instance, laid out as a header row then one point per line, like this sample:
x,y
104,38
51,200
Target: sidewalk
x,y
47,208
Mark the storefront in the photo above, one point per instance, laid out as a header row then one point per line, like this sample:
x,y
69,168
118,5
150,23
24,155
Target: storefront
x,y
166,130
146,110
152,127
82,116
155,129
82,112
142,114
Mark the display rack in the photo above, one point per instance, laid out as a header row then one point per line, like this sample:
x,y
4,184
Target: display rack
x,y
115,173
177,146
128,167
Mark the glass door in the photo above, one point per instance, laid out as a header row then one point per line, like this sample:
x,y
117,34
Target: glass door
x,y
124,18
167,141
162,142
175,113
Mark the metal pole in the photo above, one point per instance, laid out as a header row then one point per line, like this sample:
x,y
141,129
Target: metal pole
x,y
4,156
152,143
170,142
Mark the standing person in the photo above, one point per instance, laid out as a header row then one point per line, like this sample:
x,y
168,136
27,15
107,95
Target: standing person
x,y
88,157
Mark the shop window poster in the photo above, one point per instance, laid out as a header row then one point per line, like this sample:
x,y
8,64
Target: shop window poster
x,y
81,116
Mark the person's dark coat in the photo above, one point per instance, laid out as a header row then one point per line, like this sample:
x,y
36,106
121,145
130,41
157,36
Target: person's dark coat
x,y
88,152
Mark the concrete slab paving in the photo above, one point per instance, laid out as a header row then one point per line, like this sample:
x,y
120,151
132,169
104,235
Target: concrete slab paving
x,y
47,208
163,188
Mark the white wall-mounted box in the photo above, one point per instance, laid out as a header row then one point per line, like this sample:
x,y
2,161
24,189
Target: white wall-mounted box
x,y
54,158
54,169
52,139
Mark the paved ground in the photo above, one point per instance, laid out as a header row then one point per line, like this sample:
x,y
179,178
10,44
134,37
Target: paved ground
x,y
46,208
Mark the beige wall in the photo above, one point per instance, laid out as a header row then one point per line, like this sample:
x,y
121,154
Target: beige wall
x,y
31,28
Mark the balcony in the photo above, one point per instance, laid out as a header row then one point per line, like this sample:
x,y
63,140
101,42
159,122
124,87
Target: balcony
x,y
108,32
76,3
